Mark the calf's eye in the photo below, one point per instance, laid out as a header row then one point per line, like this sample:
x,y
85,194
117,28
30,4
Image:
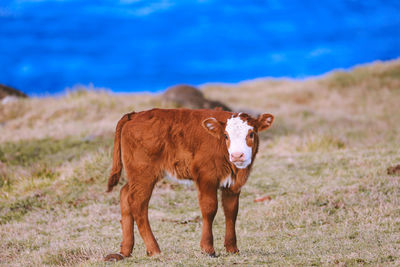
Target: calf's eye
x,y
251,135
226,136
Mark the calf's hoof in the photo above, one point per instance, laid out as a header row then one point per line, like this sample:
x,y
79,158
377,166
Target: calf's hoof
x,y
233,250
114,257
209,252
213,255
153,253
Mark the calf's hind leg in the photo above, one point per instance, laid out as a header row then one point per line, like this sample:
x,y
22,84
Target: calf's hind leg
x,y
127,223
140,190
128,239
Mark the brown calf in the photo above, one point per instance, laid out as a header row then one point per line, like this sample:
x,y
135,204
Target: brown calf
x,y
213,148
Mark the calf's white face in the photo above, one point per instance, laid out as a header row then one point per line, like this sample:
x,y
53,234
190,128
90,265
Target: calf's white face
x,y
240,135
236,132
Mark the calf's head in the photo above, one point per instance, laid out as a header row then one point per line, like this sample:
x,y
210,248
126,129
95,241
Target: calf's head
x,y
240,133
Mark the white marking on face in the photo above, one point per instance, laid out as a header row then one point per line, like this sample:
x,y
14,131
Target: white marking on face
x,y
172,177
227,182
237,130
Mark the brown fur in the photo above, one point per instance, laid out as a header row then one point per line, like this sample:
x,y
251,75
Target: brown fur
x,y
117,166
151,142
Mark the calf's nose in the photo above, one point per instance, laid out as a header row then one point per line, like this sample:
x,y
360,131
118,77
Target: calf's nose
x,y
237,156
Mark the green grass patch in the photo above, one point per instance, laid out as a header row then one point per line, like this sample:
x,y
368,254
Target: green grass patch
x,y
30,168
16,210
48,151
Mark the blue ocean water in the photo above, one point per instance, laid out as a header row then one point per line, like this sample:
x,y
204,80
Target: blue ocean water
x,y
133,45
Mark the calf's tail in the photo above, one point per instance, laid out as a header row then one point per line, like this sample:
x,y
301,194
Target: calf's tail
x,y
117,162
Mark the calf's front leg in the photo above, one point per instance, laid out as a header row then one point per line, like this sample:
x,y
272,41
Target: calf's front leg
x,y
230,203
208,204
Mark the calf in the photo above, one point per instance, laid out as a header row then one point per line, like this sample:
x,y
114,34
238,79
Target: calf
x,y
213,148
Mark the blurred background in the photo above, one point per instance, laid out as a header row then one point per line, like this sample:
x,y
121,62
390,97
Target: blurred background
x,y
138,46
325,188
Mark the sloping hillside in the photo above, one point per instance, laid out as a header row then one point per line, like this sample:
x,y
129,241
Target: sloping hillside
x,y
323,166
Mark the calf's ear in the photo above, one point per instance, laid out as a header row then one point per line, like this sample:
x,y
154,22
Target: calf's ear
x,y
264,121
213,126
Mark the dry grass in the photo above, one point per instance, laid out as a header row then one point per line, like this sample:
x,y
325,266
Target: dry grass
x,y
81,112
323,166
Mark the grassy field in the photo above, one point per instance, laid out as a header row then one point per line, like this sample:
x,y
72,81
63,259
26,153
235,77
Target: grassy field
x,y
322,166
